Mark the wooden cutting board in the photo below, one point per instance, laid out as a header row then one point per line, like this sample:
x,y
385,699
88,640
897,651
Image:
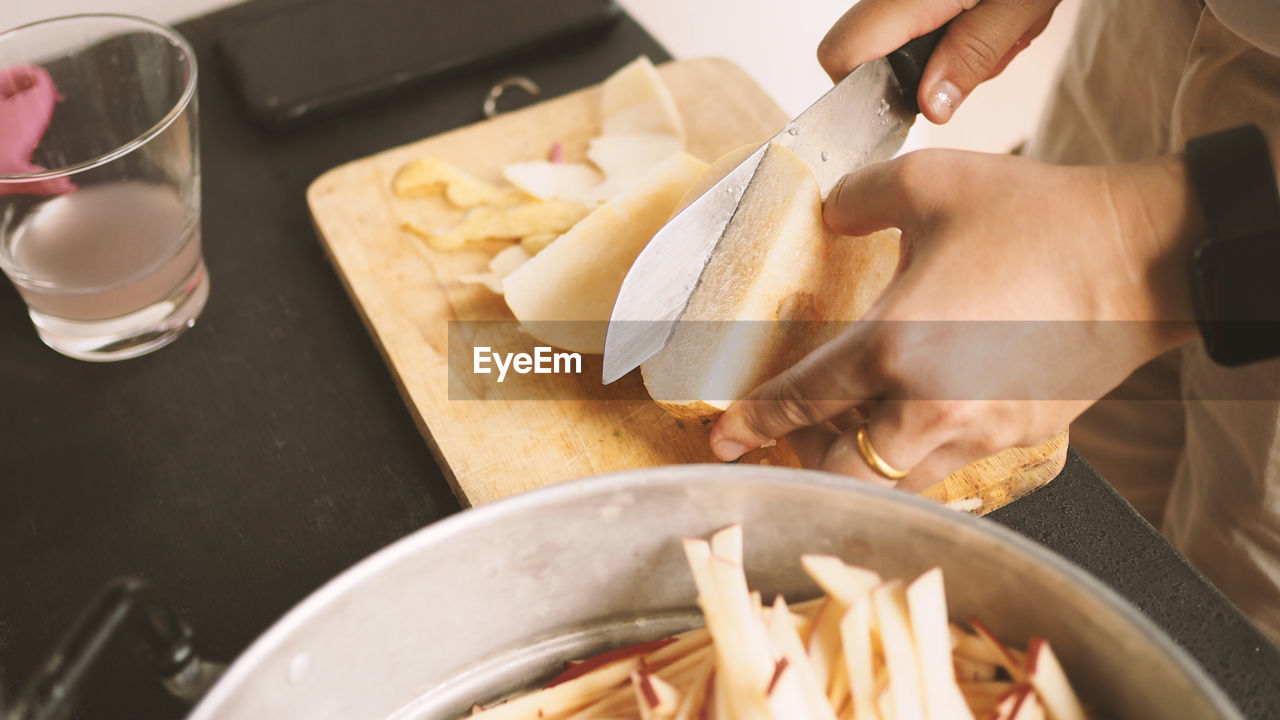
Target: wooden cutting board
x,y
493,440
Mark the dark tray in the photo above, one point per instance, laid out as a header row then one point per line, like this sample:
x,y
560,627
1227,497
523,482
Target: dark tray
x,y
267,450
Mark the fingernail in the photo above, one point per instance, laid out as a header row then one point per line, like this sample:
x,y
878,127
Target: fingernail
x,y
944,99
729,450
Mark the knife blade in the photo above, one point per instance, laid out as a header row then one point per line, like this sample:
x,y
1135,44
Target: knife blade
x,y
863,119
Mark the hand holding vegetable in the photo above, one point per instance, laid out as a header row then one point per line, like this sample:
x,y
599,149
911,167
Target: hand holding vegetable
x,y
1024,292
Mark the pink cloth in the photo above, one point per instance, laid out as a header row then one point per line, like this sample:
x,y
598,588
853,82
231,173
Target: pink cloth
x,y
27,97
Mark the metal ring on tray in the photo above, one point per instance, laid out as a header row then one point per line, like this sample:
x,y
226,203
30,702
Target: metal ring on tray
x,y
495,92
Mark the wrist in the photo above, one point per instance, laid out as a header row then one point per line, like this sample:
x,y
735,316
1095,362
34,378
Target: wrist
x,y
1159,223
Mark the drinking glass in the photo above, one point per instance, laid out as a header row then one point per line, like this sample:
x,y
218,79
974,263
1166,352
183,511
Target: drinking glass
x,y
100,183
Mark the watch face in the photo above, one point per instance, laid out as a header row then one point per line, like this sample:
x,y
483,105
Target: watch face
x,y
1236,291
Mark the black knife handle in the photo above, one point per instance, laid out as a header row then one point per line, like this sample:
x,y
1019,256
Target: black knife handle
x,y
908,64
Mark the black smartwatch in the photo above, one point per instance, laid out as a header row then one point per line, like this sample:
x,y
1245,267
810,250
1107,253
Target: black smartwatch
x,y
1235,270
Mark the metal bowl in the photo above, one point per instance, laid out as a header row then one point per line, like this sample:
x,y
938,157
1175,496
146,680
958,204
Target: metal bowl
x,y
496,598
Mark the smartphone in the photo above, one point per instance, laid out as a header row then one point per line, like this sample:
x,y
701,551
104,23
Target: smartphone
x,y
312,57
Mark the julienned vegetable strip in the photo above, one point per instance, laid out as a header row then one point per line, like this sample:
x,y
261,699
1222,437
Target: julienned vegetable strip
x,y
871,649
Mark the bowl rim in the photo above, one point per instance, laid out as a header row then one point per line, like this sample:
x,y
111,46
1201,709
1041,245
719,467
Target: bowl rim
x,y
244,665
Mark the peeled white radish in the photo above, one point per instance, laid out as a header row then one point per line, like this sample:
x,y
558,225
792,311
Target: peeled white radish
x,y
551,180
565,294
625,159
635,100
502,265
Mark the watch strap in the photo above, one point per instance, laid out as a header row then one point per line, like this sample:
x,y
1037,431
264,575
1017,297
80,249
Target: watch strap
x,y
1235,182
1232,271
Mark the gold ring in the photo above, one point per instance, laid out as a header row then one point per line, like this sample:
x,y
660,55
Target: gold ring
x,y
873,458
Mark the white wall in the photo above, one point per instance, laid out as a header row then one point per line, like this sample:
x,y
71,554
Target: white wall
x,y
17,12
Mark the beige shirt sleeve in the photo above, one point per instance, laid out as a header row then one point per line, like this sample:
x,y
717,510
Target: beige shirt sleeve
x,y
1224,508
1256,21
1200,452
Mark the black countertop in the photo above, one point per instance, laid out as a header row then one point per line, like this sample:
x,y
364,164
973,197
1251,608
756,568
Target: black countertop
x,y
267,449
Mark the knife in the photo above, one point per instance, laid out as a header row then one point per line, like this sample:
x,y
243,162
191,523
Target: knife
x,y
864,119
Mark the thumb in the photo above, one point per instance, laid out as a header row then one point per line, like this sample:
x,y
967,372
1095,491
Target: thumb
x,y
827,382
976,47
894,193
